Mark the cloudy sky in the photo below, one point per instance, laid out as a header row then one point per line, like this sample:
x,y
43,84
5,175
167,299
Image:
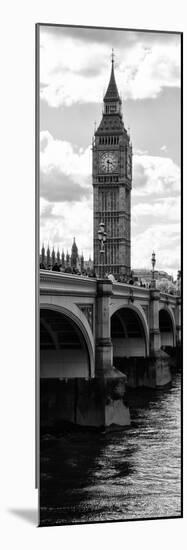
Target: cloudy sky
x,y
75,65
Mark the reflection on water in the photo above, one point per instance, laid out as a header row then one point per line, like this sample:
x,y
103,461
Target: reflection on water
x,y
132,473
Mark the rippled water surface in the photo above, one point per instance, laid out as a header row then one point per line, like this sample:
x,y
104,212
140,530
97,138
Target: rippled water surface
x,y
132,473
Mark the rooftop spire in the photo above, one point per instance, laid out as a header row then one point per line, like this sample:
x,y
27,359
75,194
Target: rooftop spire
x,y
112,56
112,93
74,248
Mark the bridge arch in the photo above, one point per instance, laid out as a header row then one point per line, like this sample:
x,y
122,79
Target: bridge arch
x,y
66,349
167,326
129,331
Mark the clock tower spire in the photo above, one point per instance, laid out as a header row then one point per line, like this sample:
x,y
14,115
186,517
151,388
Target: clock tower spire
x,y
112,182
112,100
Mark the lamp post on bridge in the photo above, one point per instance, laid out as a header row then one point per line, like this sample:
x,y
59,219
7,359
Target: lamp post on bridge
x,y
154,327
102,240
153,261
178,283
104,347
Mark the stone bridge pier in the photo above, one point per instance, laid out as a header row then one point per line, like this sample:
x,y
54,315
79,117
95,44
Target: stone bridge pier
x,y
178,321
154,329
103,342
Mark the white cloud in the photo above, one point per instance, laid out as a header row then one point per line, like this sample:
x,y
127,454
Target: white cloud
x,y
66,195
66,221
156,212
148,69
77,70
165,210
62,155
164,241
65,74
155,176
140,152
45,140
64,171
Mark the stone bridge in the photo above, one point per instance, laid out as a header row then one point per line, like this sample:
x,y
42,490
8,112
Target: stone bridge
x,y
89,325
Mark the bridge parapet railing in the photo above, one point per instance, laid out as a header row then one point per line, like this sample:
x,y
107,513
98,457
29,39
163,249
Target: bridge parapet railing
x,y
170,299
126,290
66,283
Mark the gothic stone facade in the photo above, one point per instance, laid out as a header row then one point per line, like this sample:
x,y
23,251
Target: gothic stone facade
x,y
112,182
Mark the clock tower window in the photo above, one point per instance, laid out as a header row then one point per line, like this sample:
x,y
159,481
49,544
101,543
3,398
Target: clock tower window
x,y
111,140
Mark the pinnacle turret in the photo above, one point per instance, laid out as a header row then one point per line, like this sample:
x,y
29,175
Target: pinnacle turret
x,y
74,254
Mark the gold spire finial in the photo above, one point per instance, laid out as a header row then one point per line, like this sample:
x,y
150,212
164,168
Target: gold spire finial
x,y
112,56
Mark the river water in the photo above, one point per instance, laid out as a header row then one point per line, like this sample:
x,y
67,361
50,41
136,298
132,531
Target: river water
x,y
90,476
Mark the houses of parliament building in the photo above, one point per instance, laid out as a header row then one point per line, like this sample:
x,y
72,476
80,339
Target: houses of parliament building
x,y
72,263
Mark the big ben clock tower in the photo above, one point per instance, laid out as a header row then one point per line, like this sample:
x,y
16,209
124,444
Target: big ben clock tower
x,y
112,183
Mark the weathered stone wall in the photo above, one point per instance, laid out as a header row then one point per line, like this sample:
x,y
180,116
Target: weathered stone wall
x,y
95,402
150,372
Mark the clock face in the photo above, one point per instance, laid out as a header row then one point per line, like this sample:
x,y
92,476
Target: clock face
x,y
108,162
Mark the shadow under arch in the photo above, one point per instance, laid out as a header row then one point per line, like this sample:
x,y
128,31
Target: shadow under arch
x,y
129,332
167,327
65,347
